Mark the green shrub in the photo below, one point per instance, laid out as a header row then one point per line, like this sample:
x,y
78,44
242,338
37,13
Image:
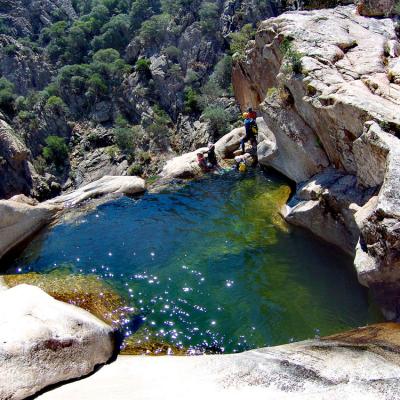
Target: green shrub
x,y
239,40
191,100
154,30
56,151
121,121
135,170
223,72
172,53
4,29
292,56
191,77
7,96
112,152
10,49
55,104
218,118
124,140
142,66
97,86
175,71
144,156
114,34
272,92
209,17
40,165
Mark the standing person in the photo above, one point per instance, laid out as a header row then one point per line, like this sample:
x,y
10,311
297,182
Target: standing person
x,y
251,114
250,124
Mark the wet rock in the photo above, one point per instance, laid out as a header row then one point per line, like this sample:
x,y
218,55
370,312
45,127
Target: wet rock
x,y
104,186
44,341
19,221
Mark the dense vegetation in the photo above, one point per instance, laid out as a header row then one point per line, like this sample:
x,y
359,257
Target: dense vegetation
x,y
125,64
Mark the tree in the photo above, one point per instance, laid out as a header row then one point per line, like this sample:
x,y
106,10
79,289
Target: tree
x,y
239,40
218,118
56,151
223,72
209,17
191,100
7,96
154,29
114,34
55,104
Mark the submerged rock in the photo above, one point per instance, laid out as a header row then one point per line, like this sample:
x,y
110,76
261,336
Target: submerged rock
x,y
44,341
85,291
19,221
363,363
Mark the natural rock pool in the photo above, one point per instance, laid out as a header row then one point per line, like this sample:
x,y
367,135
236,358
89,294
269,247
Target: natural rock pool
x,y
209,266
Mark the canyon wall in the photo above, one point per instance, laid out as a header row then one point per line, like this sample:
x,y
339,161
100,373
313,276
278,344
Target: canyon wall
x,y
327,85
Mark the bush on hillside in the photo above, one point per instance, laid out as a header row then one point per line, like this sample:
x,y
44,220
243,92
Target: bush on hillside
x,y
240,40
56,151
218,118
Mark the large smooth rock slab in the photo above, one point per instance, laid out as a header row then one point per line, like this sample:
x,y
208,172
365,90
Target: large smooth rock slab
x,y
106,185
184,166
361,364
44,341
19,221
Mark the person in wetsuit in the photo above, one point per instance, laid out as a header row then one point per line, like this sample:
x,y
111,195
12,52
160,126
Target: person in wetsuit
x,y
250,125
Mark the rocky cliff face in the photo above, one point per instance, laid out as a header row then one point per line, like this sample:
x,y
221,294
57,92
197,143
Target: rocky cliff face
x,y
26,18
326,85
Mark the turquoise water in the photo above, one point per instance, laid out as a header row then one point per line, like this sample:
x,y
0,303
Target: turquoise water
x,y
210,266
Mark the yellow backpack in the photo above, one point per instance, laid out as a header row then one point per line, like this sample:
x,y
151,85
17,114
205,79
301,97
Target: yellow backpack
x,y
242,167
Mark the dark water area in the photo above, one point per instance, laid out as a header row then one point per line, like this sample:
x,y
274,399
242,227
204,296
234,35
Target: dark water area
x,y
211,265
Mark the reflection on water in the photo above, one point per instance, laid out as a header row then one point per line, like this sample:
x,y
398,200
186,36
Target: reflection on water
x,y
210,266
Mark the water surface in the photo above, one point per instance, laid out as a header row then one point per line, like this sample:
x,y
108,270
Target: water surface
x,y
210,266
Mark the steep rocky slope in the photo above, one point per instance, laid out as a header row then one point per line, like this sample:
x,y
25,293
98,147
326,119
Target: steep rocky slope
x,y
327,85
125,85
